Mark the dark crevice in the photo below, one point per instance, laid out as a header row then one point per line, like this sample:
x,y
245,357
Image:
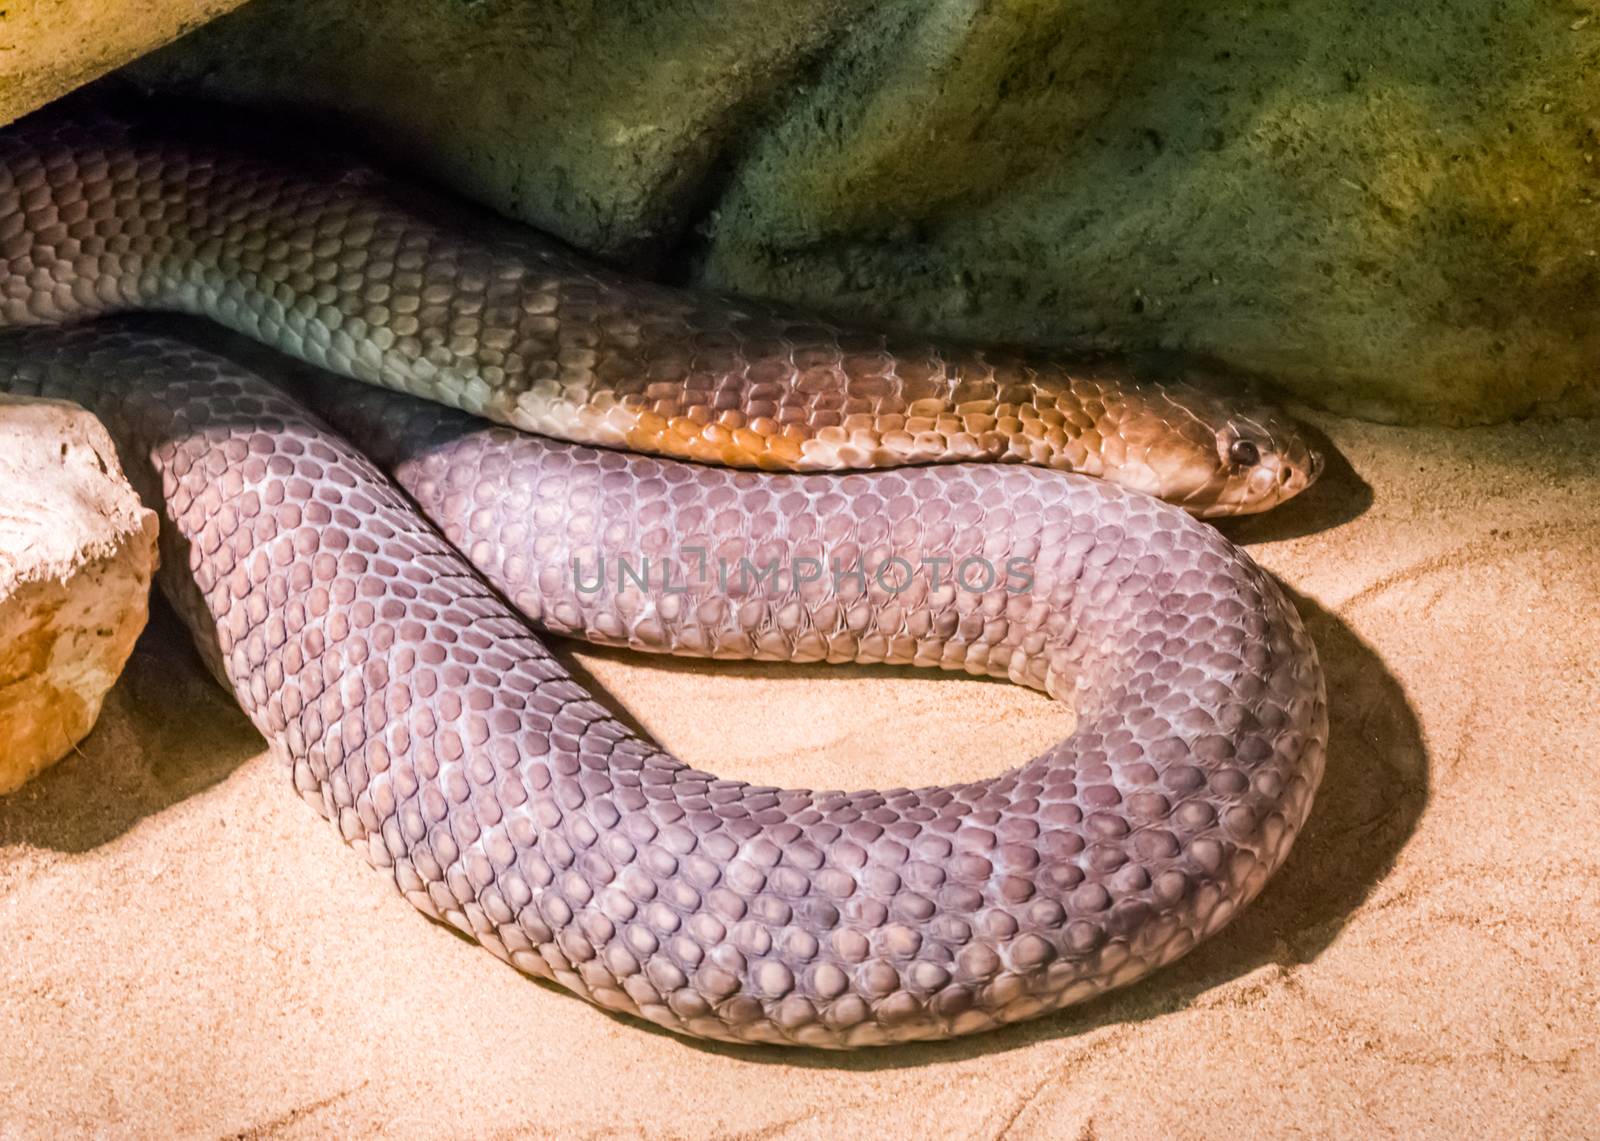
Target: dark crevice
x,y
680,261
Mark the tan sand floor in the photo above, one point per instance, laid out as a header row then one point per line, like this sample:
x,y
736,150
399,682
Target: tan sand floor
x,y
189,948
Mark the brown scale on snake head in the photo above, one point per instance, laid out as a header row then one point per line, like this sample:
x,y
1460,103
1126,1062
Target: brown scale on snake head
x,y
347,270
422,717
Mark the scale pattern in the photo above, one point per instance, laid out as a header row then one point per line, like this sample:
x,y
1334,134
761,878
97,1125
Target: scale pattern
x,y
343,268
426,721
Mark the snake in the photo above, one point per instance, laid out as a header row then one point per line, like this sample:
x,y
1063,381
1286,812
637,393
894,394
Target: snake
x,y
523,440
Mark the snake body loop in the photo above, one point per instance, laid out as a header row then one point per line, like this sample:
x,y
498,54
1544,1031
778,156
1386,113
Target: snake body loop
x,y
421,715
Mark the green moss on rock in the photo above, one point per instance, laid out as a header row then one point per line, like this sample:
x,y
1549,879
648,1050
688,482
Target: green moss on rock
x,y
1389,209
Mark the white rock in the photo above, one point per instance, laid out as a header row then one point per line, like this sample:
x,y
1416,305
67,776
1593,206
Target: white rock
x,y
77,550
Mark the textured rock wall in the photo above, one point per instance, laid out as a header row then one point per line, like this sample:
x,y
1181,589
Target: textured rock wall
x,y
1390,209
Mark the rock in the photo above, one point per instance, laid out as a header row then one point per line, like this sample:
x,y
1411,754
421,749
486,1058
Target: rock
x,y
77,550
603,124
48,49
1389,208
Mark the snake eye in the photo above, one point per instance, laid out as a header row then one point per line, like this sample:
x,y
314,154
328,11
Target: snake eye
x,y
1244,453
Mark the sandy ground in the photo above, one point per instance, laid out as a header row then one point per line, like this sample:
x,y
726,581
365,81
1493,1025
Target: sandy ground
x,y
189,949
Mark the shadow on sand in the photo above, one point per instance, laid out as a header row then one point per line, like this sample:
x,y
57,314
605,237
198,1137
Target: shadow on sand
x,y
167,732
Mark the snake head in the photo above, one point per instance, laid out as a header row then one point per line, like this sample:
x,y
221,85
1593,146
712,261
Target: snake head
x,y
1263,458
1213,454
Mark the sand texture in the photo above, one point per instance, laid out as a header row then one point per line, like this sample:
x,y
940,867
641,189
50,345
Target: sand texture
x,y
191,950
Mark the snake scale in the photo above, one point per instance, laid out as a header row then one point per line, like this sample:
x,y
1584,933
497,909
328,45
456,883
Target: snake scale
x,y
419,712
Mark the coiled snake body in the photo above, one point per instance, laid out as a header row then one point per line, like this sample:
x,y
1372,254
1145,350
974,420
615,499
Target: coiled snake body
x,y
422,716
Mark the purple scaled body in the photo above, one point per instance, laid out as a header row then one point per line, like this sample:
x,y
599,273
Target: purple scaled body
x,y
424,718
